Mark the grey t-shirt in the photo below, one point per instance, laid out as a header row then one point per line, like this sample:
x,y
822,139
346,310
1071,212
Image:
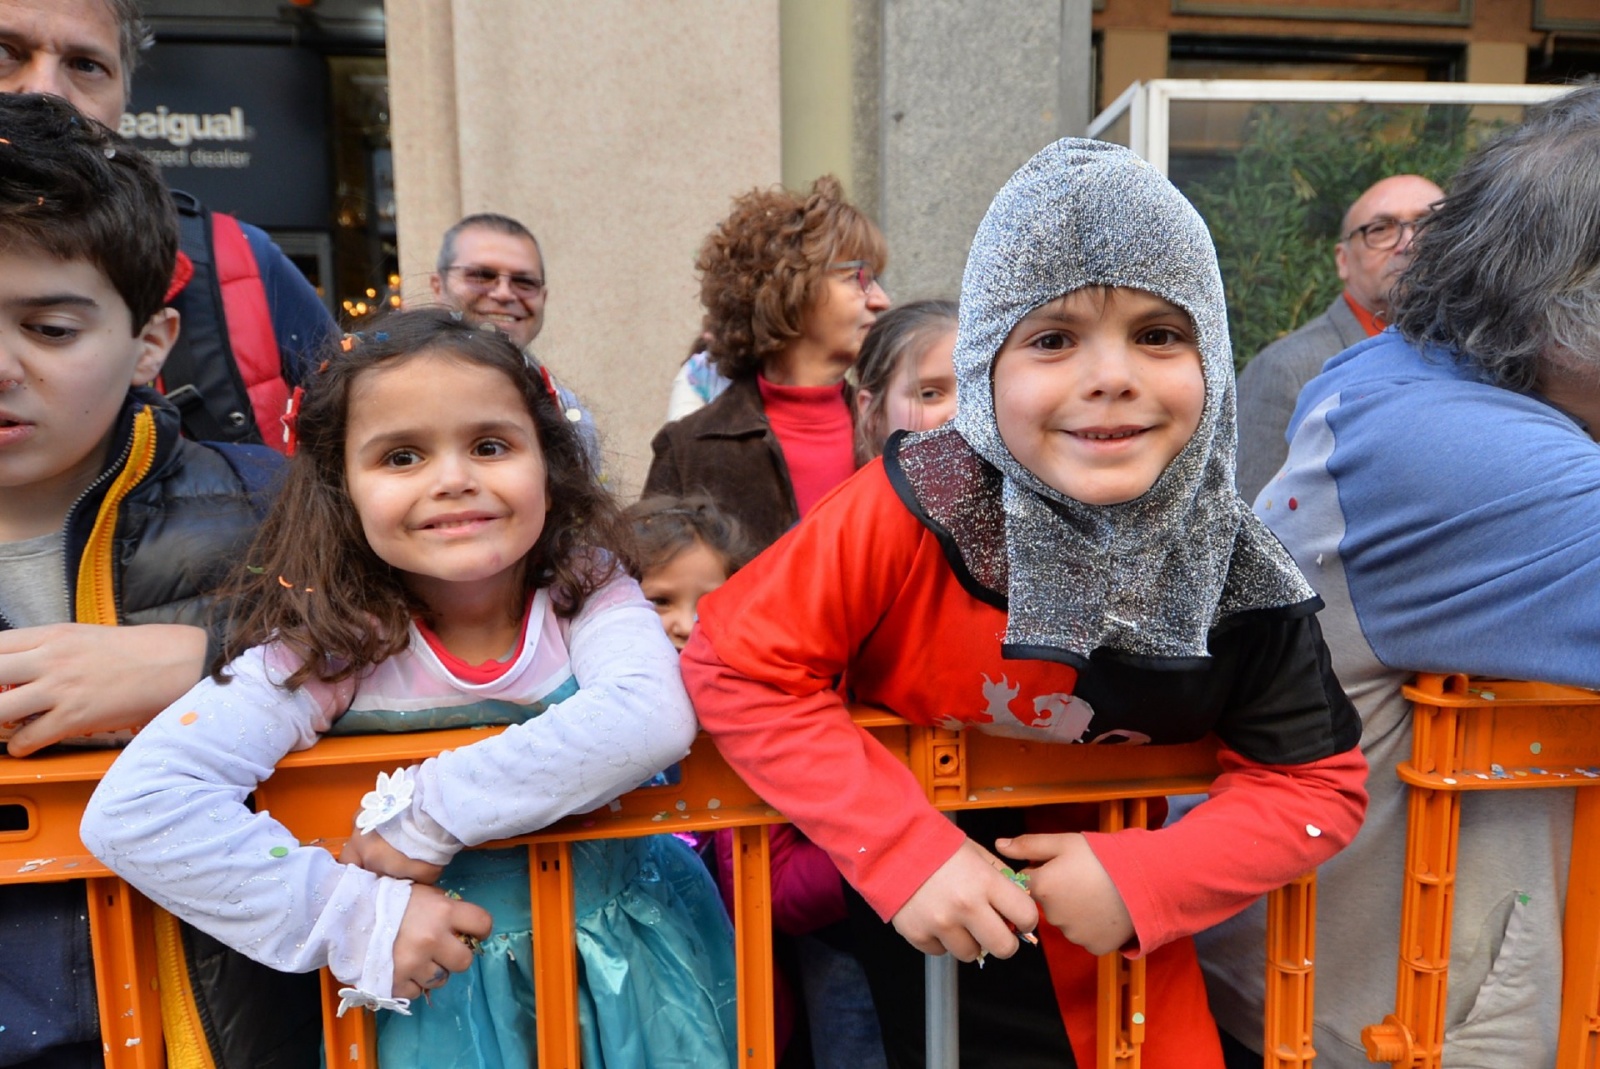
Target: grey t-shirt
x,y
33,591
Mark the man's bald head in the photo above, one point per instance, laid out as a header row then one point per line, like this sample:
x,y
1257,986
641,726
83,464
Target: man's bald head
x,y
1385,215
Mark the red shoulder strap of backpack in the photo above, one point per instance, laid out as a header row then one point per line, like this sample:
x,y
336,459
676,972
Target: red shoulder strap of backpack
x,y
250,332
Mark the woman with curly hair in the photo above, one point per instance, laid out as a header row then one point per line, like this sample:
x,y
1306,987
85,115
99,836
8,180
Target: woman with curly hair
x,y
789,284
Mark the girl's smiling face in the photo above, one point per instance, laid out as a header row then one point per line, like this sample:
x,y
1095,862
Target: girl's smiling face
x,y
1096,392
444,468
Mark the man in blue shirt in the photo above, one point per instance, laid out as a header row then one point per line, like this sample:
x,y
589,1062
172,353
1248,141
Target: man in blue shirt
x,y
1442,493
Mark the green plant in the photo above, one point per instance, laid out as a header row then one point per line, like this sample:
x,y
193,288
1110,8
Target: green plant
x,y
1275,205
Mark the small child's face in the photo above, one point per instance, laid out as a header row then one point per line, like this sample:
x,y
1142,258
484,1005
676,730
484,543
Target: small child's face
x,y
68,354
676,587
1096,392
444,469
922,394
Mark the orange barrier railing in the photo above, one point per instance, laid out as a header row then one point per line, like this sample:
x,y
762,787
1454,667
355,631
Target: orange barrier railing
x,y
1477,735
317,792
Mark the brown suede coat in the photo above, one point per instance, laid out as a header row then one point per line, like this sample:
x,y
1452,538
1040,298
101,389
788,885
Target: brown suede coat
x,y
728,450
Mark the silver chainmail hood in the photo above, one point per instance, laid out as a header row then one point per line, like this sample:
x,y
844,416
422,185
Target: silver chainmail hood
x,y
1148,577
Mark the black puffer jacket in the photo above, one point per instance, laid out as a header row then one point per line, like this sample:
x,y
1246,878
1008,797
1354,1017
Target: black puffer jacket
x,y
145,543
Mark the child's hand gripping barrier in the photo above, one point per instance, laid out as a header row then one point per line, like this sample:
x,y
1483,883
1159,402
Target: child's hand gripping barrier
x,y
1475,735
314,793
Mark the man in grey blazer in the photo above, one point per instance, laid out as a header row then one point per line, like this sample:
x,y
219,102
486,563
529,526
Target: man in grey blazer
x,y
1374,247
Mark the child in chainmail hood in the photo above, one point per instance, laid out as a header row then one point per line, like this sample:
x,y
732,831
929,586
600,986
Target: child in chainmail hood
x,y
1066,562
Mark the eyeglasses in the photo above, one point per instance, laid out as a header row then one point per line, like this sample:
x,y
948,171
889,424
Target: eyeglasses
x,y
861,269
1383,233
483,280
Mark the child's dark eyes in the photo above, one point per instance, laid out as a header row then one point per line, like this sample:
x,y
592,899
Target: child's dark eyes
x,y
490,447
1161,337
1052,341
53,331
931,395
401,458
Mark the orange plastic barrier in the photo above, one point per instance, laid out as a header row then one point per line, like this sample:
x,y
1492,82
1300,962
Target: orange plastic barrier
x,y
317,792
1477,735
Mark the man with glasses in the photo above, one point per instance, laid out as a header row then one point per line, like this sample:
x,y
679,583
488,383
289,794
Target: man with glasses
x,y
1374,247
491,270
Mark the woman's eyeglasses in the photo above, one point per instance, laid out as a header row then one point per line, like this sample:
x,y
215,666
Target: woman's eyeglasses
x,y
483,280
865,276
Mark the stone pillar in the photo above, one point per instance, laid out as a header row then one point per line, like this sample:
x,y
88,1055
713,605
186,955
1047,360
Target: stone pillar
x,y
967,93
618,131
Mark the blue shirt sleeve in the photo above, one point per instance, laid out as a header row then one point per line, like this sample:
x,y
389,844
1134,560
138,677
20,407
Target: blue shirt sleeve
x,y
1472,529
299,318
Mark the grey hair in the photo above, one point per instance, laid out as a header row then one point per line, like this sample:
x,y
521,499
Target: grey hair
x,y
133,37
899,332
1506,272
499,224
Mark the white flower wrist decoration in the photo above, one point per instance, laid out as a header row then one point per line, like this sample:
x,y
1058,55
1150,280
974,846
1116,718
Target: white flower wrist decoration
x,y
389,799
353,998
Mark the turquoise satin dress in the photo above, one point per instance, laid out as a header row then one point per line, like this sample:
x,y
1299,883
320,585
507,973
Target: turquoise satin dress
x,y
655,966
656,980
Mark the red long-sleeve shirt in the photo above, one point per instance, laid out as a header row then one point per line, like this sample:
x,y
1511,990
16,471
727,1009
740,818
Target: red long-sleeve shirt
x,y
864,585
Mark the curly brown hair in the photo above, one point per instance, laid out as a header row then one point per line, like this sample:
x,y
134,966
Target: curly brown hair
x,y
312,581
761,269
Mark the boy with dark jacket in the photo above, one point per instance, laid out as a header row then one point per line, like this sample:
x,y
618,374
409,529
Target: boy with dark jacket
x,y
113,530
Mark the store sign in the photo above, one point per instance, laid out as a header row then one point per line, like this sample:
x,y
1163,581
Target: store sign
x,y
242,127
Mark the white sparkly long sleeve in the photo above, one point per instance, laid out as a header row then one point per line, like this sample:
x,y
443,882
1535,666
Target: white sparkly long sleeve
x,y
169,817
629,719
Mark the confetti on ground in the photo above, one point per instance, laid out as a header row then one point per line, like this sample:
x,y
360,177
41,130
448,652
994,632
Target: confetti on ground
x,y
615,805
189,717
1447,779
279,851
1313,831
681,806
714,803
1138,1018
660,816
36,863
133,1042
1535,747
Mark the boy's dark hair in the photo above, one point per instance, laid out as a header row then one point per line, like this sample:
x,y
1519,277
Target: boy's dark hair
x,y
313,582
73,190
665,526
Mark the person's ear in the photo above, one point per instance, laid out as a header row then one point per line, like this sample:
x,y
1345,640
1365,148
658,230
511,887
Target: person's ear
x,y
1340,262
156,340
437,283
863,402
